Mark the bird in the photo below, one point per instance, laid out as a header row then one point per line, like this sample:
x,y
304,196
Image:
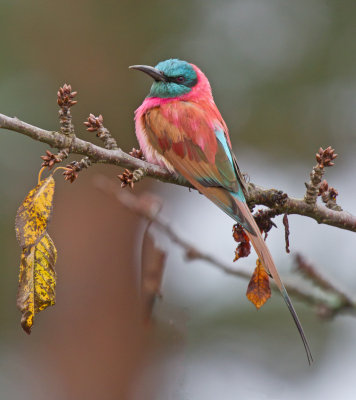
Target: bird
x,y
179,127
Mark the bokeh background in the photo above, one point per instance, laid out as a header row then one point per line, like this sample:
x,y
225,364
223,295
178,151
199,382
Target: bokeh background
x,y
283,74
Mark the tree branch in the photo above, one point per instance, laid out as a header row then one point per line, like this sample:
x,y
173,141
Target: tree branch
x,y
324,296
97,154
276,200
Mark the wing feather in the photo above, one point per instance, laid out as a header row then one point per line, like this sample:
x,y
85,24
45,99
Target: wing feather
x,y
183,134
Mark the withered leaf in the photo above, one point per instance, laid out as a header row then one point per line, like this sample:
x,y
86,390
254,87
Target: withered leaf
x,y
244,247
34,213
239,234
37,280
242,250
286,231
258,290
153,260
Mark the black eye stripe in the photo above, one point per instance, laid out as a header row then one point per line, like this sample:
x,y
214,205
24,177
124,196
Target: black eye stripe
x,y
175,79
184,82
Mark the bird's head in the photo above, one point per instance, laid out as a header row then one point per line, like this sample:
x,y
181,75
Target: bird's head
x,y
173,78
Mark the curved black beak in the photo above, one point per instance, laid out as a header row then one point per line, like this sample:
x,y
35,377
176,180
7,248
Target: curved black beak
x,y
152,72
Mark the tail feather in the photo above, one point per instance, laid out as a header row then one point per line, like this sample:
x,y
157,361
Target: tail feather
x,y
267,261
231,204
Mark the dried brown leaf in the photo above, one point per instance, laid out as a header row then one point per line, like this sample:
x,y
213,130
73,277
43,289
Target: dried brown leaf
x,y
240,236
258,290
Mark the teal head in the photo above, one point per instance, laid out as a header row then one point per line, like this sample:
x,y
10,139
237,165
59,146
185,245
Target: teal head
x,y
172,78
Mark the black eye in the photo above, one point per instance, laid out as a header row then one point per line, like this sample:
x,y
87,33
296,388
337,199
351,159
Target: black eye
x,y
180,79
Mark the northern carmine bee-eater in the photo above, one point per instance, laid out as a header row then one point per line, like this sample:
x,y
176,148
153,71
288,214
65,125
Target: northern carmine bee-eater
x,y
179,127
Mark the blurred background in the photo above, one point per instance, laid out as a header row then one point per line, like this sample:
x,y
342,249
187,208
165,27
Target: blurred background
x,y
283,75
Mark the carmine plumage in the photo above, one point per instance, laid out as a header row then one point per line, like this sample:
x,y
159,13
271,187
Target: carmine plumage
x,y
178,126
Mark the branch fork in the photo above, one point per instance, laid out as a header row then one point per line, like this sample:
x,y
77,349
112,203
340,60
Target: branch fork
x,y
325,298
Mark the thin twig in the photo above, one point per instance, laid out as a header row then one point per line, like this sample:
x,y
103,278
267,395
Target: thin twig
x,y
96,124
324,158
310,272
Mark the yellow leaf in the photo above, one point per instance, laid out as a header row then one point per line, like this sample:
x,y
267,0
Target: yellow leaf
x,y
34,213
258,290
37,280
